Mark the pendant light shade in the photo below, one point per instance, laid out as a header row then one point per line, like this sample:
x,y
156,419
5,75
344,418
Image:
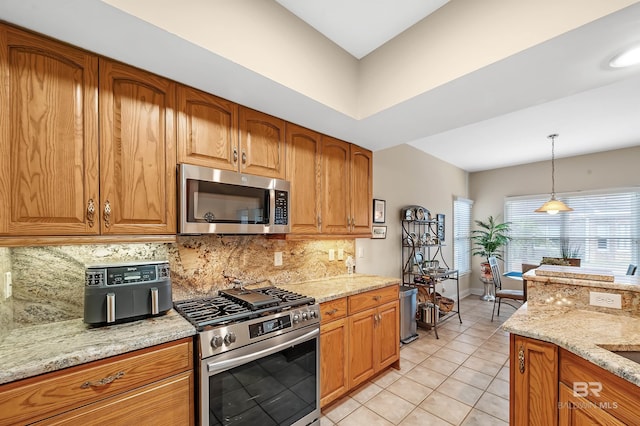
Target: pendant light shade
x,y
553,206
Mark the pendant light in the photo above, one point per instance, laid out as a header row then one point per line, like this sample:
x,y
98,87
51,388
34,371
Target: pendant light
x,y
553,206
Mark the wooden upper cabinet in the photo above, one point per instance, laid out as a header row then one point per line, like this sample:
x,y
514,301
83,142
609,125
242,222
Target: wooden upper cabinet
x,y
304,148
262,144
48,136
347,181
335,167
361,190
137,151
207,130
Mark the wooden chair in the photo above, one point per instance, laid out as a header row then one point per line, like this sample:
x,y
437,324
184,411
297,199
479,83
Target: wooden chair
x,y
631,270
510,295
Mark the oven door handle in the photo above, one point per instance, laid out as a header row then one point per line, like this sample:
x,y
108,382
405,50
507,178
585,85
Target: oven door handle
x,y
213,367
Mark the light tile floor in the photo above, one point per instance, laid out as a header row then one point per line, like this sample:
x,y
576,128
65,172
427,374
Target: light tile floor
x,y
460,379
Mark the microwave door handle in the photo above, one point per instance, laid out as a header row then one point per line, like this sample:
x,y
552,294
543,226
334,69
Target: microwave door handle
x,y
214,367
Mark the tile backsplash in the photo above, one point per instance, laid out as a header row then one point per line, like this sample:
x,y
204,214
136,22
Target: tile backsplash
x,y
48,281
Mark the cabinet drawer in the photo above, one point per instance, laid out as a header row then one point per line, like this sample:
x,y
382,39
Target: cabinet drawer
x,y
333,310
613,394
372,299
167,402
49,394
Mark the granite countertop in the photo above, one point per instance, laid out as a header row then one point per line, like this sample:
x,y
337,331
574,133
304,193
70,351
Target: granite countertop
x,y
582,332
29,351
326,289
34,350
571,276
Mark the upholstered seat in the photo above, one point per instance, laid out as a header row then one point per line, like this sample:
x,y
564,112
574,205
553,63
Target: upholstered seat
x,y
510,295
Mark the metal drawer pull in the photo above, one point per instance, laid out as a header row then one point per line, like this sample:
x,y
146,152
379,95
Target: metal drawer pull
x,y
102,382
331,312
521,359
377,298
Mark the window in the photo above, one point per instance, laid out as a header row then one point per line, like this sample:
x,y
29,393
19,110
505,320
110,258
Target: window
x,y
603,230
461,235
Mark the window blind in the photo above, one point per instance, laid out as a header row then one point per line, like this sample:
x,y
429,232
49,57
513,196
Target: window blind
x,y
603,230
462,234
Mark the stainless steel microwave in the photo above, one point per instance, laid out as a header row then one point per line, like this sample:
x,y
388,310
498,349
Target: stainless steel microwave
x,y
216,201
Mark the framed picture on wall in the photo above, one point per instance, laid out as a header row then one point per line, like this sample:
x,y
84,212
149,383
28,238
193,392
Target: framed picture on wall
x,y
378,232
379,207
440,220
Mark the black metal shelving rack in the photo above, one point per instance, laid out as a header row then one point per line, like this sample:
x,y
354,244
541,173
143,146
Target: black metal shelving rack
x,y
421,262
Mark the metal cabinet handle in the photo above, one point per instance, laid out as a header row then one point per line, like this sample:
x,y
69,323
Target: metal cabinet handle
x,y
331,312
91,211
244,157
107,214
102,382
235,155
521,359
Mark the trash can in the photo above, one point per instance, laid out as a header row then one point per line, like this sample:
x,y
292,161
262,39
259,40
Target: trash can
x,y
408,314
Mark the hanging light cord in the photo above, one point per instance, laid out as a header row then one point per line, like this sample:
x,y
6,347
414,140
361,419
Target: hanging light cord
x,y
553,166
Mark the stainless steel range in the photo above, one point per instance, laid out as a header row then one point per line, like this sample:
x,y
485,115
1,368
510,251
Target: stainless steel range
x,y
258,352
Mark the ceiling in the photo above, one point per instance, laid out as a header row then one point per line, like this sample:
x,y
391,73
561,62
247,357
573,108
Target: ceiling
x,y
495,113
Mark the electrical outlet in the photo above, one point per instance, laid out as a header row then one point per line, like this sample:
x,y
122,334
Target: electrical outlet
x,y
606,300
332,254
7,285
277,258
340,254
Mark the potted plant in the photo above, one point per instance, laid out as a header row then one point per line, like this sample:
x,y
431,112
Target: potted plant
x,y
489,241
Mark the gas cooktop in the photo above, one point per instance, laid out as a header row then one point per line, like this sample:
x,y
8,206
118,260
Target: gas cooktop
x,y
237,305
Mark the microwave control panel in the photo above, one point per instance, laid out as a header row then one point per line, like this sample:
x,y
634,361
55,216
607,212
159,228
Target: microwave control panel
x,y
281,216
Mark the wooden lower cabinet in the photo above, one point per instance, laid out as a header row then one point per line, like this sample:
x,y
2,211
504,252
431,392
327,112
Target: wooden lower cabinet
x,y
533,382
334,343
152,386
552,386
359,337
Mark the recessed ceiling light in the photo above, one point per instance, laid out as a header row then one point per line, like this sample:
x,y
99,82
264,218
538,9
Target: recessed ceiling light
x,y
627,58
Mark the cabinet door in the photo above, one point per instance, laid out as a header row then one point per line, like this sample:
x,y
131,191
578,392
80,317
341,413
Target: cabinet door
x,y
262,144
137,151
577,411
533,382
388,334
303,172
335,186
361,190
362,362
207,130
334,379
48,136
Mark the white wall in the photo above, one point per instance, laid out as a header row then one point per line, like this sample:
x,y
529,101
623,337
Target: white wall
x,y
404,176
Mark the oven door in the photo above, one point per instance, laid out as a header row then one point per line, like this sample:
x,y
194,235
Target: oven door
x,y
271,382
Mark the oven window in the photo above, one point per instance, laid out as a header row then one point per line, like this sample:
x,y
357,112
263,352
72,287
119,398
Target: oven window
x,y
276,390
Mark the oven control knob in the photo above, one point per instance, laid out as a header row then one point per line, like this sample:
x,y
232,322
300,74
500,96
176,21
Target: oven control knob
x,y
312,314
229,338
216,342
305,316
296,318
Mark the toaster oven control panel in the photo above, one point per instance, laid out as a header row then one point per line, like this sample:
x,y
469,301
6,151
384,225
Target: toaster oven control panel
x,y
118,274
